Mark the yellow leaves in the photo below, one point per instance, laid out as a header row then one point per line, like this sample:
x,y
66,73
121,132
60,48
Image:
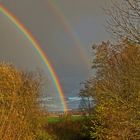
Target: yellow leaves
x,y
18,104
116,89
10,79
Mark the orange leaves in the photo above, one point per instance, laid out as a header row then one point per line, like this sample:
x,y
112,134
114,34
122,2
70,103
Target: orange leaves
x,y
116,88
19,108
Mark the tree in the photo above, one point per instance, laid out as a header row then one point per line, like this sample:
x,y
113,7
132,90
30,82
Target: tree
x,y
19,107
124,19
115,89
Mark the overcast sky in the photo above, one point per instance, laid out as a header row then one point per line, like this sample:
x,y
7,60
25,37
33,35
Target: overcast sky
x,y
64,28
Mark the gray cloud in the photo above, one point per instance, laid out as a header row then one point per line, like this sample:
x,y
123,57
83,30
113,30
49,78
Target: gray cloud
x,y
85,17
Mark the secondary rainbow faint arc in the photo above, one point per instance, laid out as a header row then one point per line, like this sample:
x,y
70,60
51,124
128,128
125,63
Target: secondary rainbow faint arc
x,y
61,16
37,47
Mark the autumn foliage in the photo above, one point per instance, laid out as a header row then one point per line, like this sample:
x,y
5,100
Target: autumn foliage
x,y
115,89
19,108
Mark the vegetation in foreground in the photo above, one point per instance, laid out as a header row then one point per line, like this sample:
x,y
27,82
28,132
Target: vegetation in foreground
x,y
69,127
21,117
115,87
19,108
116,92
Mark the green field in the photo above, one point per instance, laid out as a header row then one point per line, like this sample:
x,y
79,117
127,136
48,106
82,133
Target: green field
x,y
73,118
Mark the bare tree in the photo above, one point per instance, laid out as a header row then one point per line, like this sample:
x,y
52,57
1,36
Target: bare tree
x,y
124,20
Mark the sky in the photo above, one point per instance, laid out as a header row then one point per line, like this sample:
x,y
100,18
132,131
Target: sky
x,y
66,31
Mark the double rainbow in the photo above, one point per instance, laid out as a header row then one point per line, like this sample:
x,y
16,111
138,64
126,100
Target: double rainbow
x,y
37,47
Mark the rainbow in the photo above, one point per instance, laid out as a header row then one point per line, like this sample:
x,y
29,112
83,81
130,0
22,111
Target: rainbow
x,y
37,47
54,7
